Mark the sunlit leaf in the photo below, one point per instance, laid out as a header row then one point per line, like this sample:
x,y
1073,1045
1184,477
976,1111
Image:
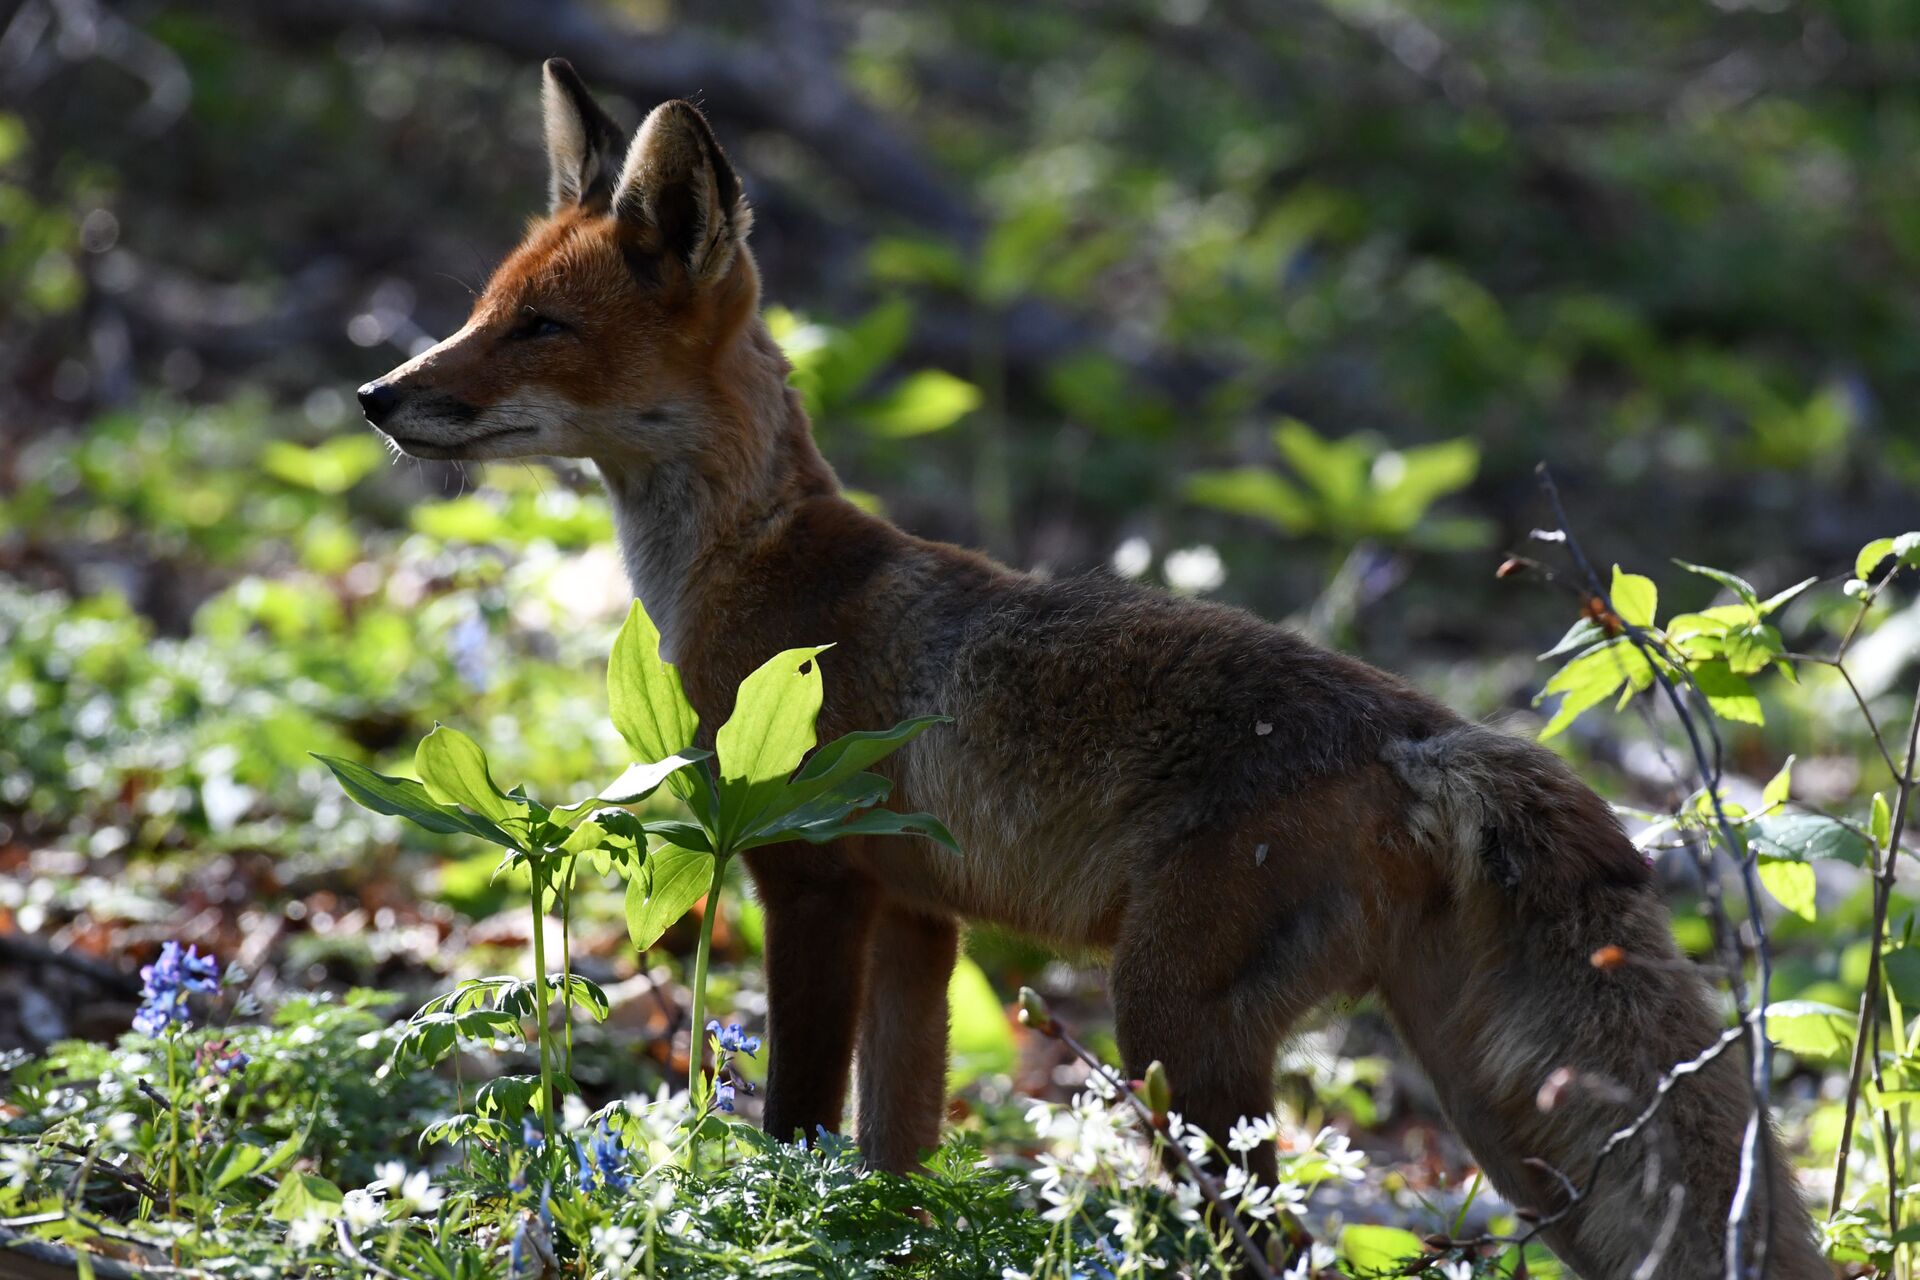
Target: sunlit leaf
x,y
663,891
1634,597
1791,883
1809,1029
454,769
766,737
644,696
405,798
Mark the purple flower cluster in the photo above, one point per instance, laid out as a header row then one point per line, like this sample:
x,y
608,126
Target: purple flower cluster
x,y
731,1039
603,1161
166,984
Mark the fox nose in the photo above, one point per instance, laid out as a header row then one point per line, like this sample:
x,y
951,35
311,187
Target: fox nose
x,y
377,400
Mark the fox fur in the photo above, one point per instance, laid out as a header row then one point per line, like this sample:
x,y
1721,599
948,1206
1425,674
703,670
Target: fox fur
x,y
1246,823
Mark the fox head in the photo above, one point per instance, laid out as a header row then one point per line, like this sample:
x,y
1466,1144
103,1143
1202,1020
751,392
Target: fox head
x,y
614,331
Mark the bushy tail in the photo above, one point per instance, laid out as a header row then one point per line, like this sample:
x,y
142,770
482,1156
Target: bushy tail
x,y
1543,1040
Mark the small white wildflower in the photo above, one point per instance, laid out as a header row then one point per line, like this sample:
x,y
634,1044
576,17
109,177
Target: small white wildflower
x,y
18,1165
389,1175
1123,1223
1245,1135
614,1245
420,1195
1458,1269
309,1230
1009,1273
362,1210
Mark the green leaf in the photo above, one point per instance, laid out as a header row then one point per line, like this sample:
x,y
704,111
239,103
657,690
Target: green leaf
x,y
1727,692
1592,678
333,466
1371,1249
1739,586
240,1160
1751,649
1254,491
1807,836
847,756
924,402
1902,967
301,1194
1870,557
1634,597
631,787
874,822
644,697
1791,883
1880,822
454,769
1780,598
1582,634
405,798
769,732
662,891
1809,1029
1778,787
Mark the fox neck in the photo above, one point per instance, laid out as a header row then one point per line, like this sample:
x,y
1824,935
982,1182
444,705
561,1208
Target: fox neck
x,y
682,521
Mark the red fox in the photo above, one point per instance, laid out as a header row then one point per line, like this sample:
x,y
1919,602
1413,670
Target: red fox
x,y
1246,823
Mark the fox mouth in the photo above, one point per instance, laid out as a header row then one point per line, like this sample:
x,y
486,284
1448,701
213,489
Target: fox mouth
x,y
437,450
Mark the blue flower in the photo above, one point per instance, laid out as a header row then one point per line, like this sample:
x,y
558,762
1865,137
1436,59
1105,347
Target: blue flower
x,y
733,1039
723,1096
602,1160
166,984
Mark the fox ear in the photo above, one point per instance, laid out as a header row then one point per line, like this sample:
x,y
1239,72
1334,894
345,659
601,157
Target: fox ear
x,y
678,186
583,143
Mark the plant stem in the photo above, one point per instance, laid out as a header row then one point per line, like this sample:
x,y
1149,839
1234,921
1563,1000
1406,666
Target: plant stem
x,y
538,870
697,1038
566,955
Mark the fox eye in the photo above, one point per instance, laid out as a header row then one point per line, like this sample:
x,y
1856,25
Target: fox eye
x,y
534,325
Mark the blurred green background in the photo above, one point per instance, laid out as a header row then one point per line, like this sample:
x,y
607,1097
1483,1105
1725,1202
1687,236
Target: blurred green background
x,y
1279,301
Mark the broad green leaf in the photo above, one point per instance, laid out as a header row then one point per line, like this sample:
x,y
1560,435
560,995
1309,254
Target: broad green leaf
x,y
1371,1249
1778,787
1791,883
585,992
1880,822
1870,557
1902,967
768,734
1634,597
631,787
1780,598
1254,491
980,1039
240,1160
1807,836
924,402
405,798
1582,634
454,769
852,753
663,891
1727,692
690,836
876,822
1739,586
1809,1029
301,1194
1592,678
644,697
1751,649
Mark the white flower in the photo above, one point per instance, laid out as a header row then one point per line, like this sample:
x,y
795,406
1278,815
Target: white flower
x,y
1458,1269
1248,1134
18,1165
420,1194
614,1245
362,1210
389,1175
1123,1223
309,1230
1008,1273
1194,570
1131,558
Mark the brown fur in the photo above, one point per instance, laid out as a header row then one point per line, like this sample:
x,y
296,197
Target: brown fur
x,y
1247,823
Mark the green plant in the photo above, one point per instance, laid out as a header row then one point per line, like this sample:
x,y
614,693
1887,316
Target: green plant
x,y
759,786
